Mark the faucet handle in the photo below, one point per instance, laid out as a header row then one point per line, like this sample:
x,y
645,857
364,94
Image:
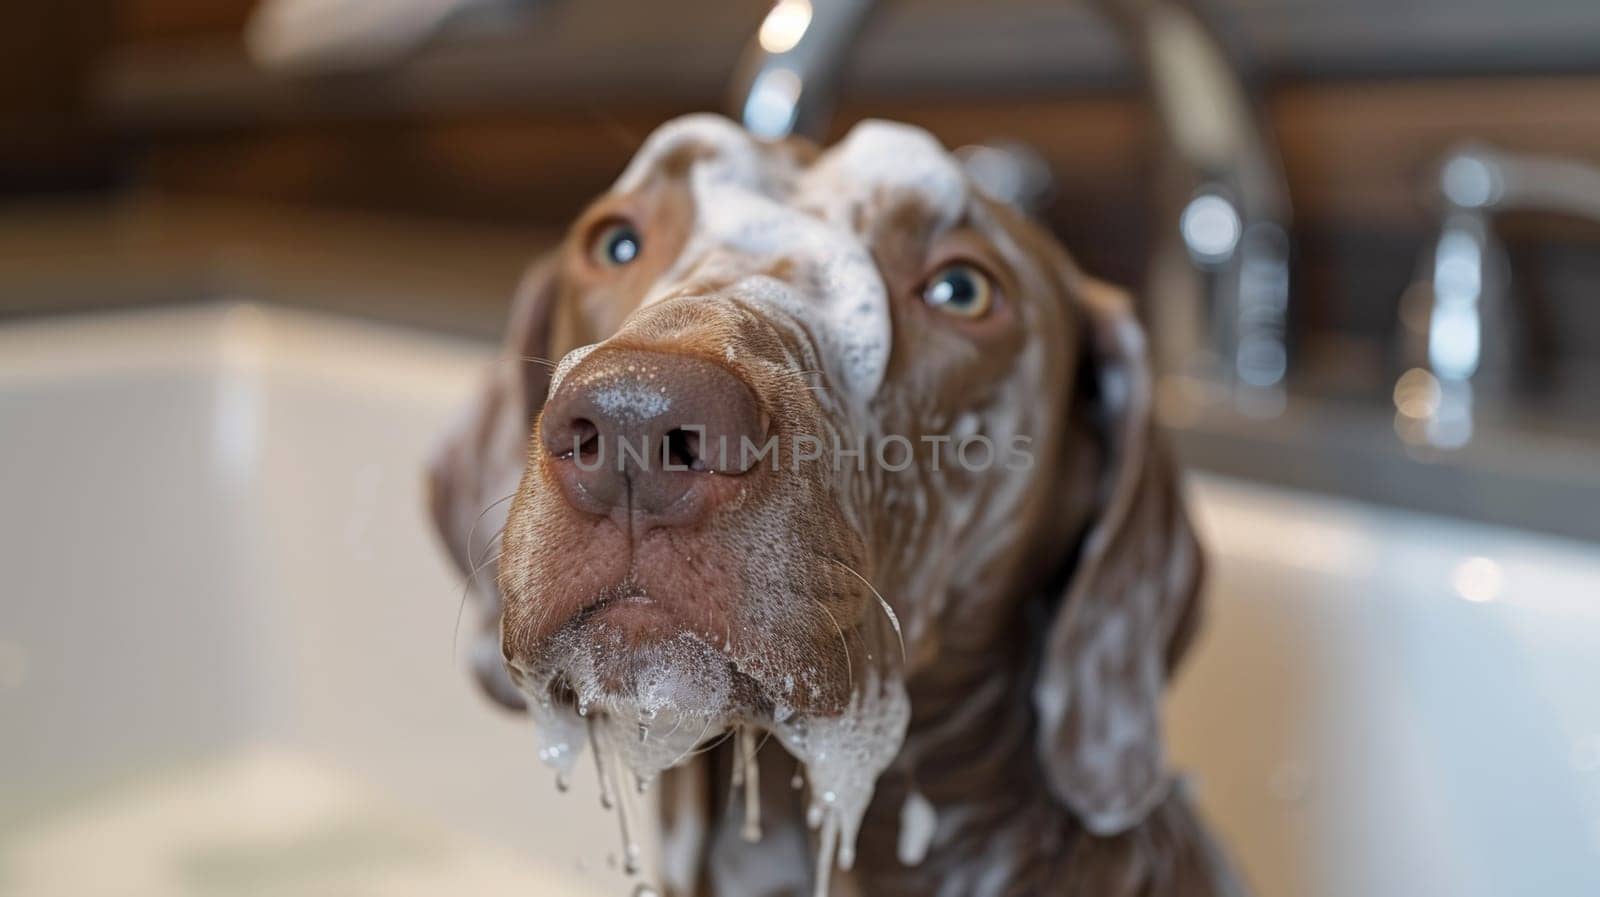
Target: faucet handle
x,y
1478,176
1460,338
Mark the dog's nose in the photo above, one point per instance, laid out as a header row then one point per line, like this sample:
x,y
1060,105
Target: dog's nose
x,y
648,431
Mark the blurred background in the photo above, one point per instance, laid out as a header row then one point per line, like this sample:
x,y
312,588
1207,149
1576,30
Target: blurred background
x,y
253,255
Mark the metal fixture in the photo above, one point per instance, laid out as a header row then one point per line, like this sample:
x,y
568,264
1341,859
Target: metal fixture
x,y
1459,340
1219,277
788,78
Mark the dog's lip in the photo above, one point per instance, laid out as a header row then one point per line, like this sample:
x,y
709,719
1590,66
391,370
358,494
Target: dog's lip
x,y
640,617
632,597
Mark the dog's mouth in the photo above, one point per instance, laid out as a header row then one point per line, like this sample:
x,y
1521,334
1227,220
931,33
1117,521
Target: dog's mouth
x,y
635,661
644,690
648,705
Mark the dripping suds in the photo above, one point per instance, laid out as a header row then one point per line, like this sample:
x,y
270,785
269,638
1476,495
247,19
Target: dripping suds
x,y
843,757
918,821
679,701
751,780
607,801
827,844
611,795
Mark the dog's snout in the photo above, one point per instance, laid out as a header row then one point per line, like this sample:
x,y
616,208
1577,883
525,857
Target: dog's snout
x,y
648,432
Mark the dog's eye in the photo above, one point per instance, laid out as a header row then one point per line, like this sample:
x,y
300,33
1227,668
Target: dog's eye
x,y
960,289
617,244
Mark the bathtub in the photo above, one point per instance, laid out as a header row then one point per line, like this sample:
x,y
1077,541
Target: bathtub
x,y
227,664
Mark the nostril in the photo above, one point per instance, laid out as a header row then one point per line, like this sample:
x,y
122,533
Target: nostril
x,y
685,449
580,439
585,440
680,448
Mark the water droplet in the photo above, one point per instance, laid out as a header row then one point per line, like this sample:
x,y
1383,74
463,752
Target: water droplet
x,y
630,859
918,824
751,830
645,890
814,815
606,802
562,782
798,781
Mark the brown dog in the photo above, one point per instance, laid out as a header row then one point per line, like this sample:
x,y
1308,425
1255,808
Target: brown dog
x,y
840,450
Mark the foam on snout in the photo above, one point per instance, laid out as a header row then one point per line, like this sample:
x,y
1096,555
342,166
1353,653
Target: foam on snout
x,y
567,363
632,402
681,696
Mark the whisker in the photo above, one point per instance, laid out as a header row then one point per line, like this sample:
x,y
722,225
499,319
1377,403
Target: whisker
x,y
887,610
674,730
845,643
497,534
525,359
472,574
479,519
695,750
483,562
466,588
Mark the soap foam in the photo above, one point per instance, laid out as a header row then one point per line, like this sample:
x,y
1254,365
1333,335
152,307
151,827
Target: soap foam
x,y
679,700
843,757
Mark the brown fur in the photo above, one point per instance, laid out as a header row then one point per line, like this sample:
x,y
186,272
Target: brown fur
x,y
1043,611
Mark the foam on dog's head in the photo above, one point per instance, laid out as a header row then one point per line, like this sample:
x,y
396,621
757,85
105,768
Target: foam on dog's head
x,y
754,207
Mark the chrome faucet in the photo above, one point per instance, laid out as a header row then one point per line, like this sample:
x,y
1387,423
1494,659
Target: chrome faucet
x,y
1219,277
1459,339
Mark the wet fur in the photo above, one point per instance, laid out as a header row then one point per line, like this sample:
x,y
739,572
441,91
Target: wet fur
x,y
1042,613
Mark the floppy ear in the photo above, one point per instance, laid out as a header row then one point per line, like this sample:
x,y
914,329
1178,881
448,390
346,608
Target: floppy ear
x,y
1131,601
475,470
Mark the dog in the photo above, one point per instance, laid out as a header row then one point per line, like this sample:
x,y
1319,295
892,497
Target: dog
x,y
826,445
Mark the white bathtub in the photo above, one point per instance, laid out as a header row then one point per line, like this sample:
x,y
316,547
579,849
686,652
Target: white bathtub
x,y
226,662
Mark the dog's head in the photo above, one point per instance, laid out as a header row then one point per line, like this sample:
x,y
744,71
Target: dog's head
x,y
771,412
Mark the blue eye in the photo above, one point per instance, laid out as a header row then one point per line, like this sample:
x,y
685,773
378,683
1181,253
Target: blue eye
x,y
960,289
617,245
